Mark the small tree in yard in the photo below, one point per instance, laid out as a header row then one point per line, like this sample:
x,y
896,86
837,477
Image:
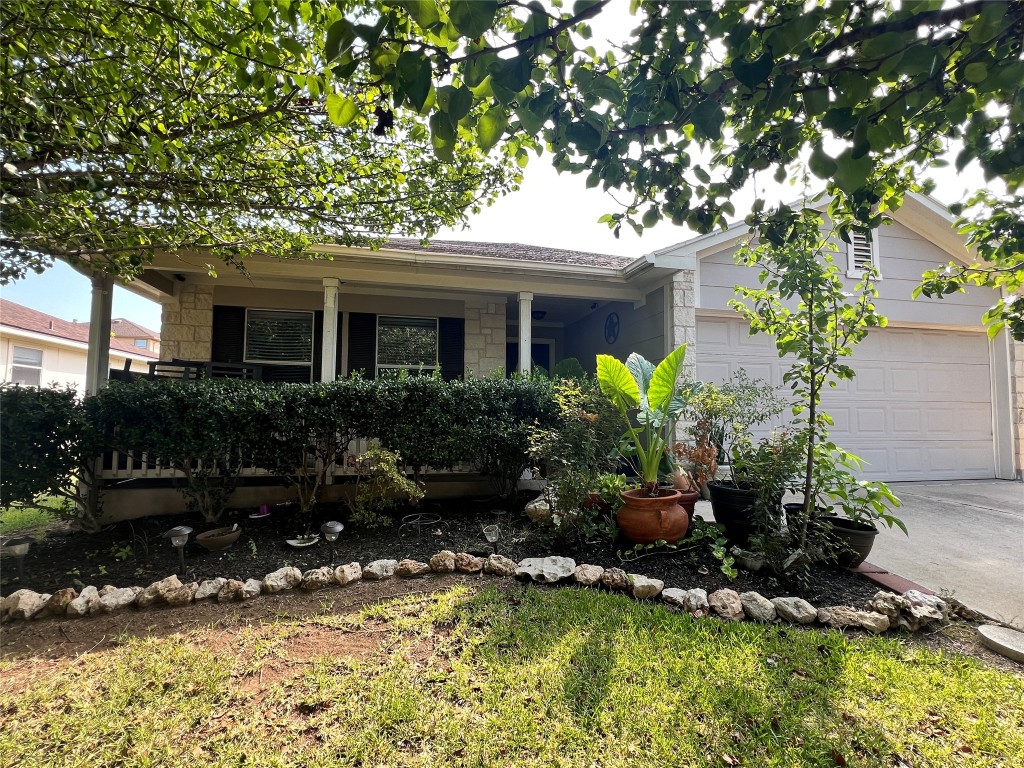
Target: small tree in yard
x,y
819,332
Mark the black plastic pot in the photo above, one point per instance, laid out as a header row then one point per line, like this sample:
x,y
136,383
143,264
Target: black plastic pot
x,y
733,508
855,539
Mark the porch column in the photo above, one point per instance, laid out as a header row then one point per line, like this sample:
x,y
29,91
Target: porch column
x,y
525,330
97,366
329,352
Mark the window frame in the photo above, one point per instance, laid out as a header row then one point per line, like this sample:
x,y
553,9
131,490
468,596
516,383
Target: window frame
x,y
378,366
260,361
852,270
141,344
27,367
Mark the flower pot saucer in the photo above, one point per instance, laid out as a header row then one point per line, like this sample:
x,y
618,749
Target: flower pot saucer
x,y
303,541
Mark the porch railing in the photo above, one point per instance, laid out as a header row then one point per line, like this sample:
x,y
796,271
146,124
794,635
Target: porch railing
x,y
118,465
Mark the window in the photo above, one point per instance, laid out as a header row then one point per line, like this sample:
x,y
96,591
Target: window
x,y
407,342
275,336
862,254
27,368
141,343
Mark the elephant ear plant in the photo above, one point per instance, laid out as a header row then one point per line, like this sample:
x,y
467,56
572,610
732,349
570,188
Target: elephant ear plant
x,y
649,398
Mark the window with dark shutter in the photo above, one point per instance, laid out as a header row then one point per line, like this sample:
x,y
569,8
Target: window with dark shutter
x,y
278,336
409,343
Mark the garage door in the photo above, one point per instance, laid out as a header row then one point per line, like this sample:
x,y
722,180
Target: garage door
x,y
919,408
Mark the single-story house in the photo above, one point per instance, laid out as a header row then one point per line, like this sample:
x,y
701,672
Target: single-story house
x,y
933,398
37,349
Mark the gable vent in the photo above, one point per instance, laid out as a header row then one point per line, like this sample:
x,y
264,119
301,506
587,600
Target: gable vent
x,y
861,252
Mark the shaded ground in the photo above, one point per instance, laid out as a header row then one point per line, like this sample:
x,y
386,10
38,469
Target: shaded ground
x,y
133,553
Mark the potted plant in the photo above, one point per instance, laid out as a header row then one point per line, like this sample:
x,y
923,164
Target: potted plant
x,y
649,397
750,502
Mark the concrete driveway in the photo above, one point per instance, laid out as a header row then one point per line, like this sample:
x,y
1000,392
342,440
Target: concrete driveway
x,y
966,539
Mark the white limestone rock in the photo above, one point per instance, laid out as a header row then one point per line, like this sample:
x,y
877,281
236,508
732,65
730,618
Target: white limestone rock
x,y
588,575
115,601
80,605
347,574
210,588
841,616
499,565
231,591
410,569
546,570
757,607
645,588
23,604
317,578
443,562
379,570
251,588
288,577
726,604
795,609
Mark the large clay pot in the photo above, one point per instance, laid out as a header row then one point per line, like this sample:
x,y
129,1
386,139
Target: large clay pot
x,y
645,519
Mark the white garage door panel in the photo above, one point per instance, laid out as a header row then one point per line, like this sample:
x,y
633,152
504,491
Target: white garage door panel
x,y
919,407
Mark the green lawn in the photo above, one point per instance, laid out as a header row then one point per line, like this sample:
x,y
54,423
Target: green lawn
x,y
29,519
509,677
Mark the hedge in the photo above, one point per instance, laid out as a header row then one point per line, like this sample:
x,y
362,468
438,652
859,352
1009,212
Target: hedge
x,y
211,429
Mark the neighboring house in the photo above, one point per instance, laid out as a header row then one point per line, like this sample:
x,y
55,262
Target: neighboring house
x,y
139,337
933,397
37,349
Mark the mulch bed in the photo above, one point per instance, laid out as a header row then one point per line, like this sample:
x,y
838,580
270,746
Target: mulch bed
x,y
134,553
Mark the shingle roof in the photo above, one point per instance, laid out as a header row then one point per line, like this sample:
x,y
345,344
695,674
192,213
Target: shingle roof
x,y
126,329
517,251
18,316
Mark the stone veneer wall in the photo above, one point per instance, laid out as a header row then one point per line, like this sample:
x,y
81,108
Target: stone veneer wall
x,y
683,318
1017,404
186,329
485,336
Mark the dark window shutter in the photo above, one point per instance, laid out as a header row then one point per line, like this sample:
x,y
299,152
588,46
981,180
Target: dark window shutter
x,y
451,343
294,373
228,344
318,344
362,343
340,338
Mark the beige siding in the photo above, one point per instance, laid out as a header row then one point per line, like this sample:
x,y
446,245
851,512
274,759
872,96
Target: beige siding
x,y
63,365
903,257
640,330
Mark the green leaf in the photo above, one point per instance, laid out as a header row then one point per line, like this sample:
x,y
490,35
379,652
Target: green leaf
x,y
617,383
260,11
754,73
821,165
976,72
455,101
666,375
472,17
708,118
490,128
423,12
415,74
883,45
340,109
585,136
340,36
852,173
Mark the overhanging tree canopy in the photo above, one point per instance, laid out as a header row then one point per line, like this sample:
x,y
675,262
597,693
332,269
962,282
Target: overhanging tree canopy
x,y
702,97
208,126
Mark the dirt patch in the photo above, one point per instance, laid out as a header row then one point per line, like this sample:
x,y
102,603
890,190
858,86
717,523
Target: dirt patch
x,y
219,622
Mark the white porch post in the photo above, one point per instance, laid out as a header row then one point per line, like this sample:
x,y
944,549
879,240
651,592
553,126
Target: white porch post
x,y
329,352
525,330
97,367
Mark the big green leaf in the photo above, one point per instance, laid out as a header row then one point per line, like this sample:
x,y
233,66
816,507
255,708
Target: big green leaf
x,y
491,127
617,383
340,109
665,379
472,17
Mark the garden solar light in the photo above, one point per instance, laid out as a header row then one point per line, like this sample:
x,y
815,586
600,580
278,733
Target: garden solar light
x,y
492,533
331,530
18,548
178,536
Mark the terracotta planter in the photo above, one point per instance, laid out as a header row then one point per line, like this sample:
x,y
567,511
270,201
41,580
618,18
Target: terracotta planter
x,y
596,503
646,519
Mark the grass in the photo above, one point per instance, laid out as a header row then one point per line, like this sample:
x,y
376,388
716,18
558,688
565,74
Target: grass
x,y
510,677
29,519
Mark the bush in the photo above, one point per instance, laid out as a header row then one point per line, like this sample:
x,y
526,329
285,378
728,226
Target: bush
x,y
49,446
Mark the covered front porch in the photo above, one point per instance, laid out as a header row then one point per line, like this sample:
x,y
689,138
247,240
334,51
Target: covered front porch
x,y
424,310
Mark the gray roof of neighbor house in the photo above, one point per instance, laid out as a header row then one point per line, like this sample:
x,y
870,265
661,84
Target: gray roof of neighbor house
x,y
27,319
516,251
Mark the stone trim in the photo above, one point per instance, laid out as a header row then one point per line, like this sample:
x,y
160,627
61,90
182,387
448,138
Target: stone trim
x,y
486,332
682,318
186,327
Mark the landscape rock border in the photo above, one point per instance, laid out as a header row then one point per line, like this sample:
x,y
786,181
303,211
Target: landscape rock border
x,y
910,611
